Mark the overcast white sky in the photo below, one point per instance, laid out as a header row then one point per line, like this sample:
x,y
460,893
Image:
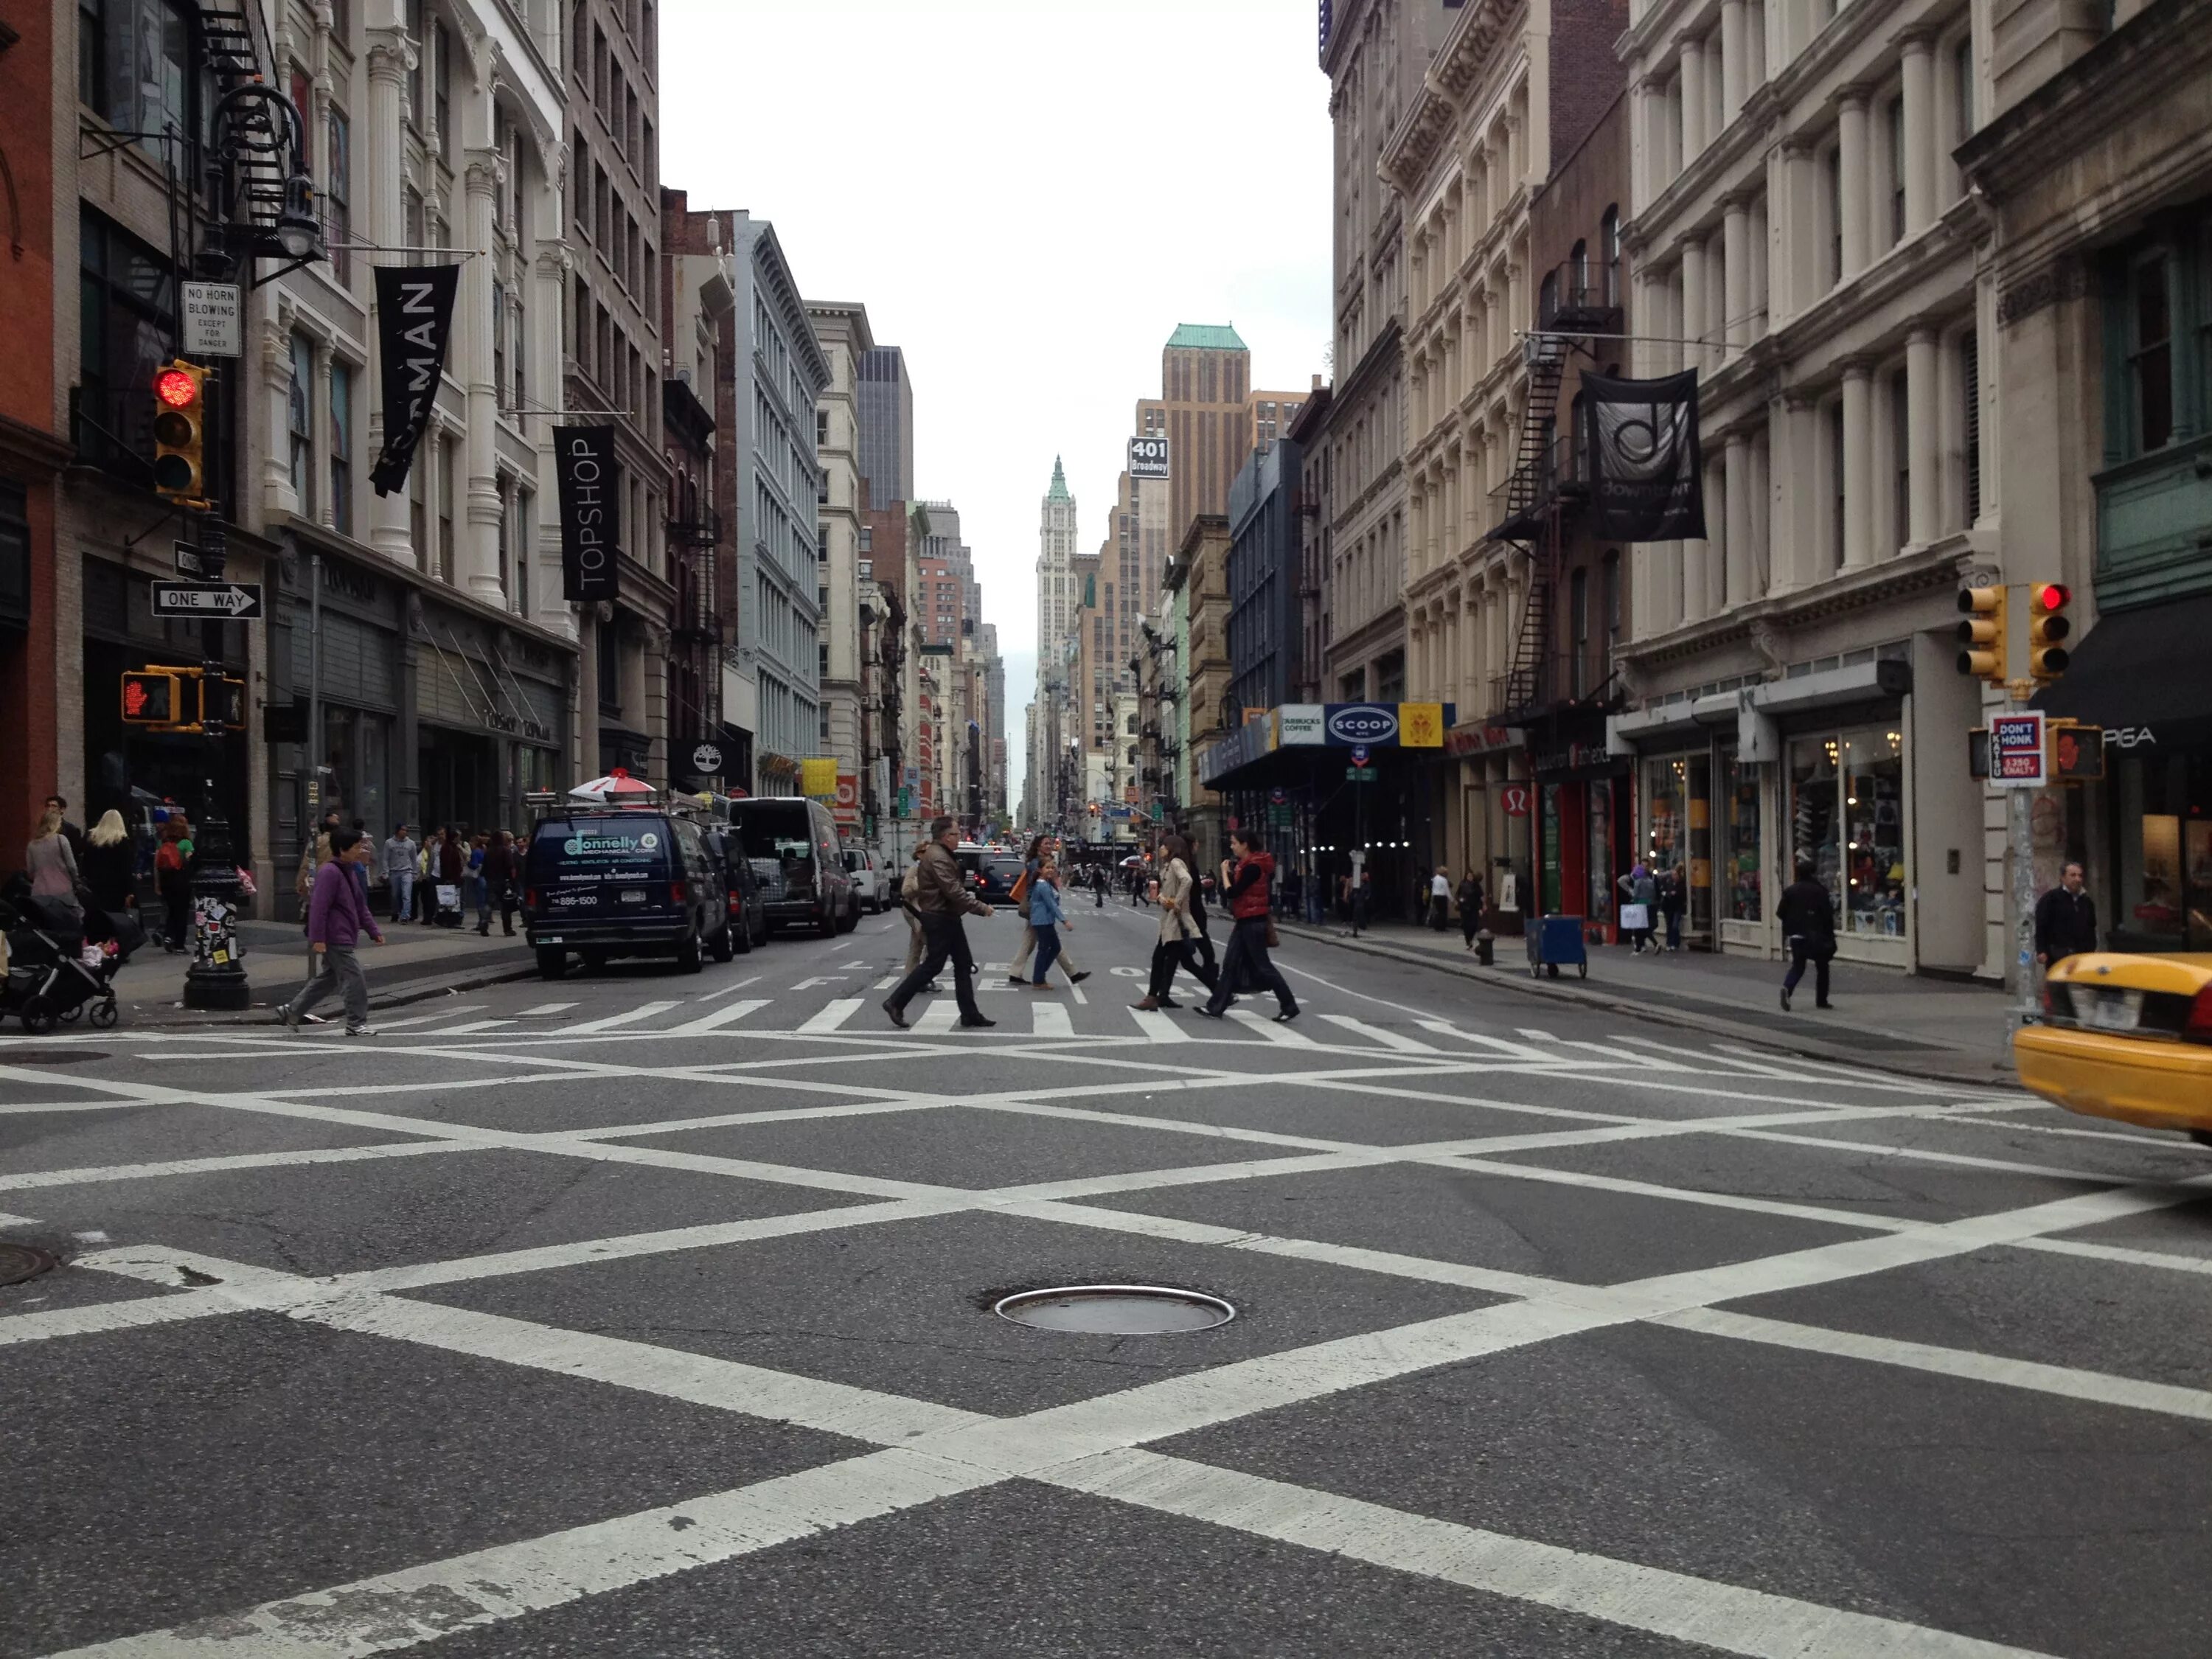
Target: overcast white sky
x,y
1027,196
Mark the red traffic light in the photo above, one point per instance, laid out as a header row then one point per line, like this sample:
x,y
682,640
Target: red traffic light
x,y
176,388
2052,596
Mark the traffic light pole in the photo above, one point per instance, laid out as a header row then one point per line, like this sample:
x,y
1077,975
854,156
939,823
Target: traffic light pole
x,y
216,978
2020,833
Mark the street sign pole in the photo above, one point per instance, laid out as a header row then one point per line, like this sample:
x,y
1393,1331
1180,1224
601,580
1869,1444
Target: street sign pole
x,y
2020,831
216,977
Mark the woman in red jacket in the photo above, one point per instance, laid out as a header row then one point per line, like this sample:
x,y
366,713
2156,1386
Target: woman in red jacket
x,y
1244,889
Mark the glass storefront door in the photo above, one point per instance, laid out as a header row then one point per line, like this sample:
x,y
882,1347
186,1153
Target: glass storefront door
x,y
1814,797
1874,845
1741,898
1678,829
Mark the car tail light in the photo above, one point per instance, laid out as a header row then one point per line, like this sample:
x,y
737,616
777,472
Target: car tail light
x,y
2198,1028
678,892
530,898
737,904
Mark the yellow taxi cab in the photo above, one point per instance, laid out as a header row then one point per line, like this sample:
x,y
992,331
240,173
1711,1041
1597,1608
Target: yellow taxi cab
x,y
2127,1037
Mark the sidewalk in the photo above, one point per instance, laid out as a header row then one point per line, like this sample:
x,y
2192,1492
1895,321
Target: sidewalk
x,y
416,962
1900,1021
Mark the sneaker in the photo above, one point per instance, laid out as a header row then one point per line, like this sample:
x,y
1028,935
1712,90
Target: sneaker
x,y
936,986
360,1031
1210,1011
1077,978
1286,1016
286,1018
897,1014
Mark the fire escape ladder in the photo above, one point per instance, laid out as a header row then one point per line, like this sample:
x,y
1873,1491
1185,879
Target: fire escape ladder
x,y
1547,358
233,48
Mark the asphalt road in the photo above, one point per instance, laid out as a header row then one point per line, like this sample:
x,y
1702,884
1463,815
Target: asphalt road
x,y
648,1313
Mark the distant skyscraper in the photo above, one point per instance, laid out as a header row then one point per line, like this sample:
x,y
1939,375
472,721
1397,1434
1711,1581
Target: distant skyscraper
x,y
886,426
1056,595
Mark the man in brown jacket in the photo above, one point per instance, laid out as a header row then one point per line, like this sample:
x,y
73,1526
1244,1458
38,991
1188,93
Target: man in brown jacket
x,y
941,898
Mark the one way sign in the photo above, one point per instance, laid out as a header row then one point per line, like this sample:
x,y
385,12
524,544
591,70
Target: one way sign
x,y
236,601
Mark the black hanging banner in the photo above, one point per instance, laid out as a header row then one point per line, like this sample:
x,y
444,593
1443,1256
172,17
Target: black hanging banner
x,y
584,462
1646,471
414,319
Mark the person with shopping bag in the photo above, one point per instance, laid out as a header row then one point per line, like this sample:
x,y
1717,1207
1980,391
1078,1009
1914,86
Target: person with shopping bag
x,y
1638,892
1178,945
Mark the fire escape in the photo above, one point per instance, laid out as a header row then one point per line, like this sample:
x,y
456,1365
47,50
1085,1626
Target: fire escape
x,y
1577,301
695,630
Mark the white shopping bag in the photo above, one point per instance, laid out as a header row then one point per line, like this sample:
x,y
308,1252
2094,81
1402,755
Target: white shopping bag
x,y
1634,918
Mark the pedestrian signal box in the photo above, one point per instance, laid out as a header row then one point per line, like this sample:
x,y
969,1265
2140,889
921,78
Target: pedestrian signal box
x,y
179,700
151,698
2077,751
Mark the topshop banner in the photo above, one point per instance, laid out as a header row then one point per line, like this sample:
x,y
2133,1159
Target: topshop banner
x,y
1646,472
414,320
584,464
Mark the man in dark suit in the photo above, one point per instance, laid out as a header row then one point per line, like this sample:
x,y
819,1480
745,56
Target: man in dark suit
x,y
2065,920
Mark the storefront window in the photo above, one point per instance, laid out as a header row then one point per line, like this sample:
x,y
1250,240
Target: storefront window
x,y
1600,851
2166,867
1678,829
1699,808
1812,821
1741,895
1663,828
1874,810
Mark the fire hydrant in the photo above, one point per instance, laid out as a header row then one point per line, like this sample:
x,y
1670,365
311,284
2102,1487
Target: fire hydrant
x,y
1485,945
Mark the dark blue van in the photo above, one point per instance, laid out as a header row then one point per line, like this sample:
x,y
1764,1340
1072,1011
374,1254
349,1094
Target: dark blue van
x,y
599,882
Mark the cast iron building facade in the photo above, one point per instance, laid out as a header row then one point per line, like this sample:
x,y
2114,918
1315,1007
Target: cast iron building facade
x,y
1263,571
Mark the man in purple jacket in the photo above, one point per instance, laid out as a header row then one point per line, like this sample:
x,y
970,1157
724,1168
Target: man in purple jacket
x,y
338,916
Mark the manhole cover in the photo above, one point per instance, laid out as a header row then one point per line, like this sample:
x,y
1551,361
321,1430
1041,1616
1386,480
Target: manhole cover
x,y
20,1261
49,1056
1115,1309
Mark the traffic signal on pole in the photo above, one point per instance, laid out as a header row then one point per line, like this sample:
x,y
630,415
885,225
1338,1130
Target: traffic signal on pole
x,y
152,698
181,432
2047,624
1982,633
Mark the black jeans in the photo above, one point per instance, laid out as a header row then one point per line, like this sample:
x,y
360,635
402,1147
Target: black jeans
x,y
1247,958
1801,952
1169,954
943,939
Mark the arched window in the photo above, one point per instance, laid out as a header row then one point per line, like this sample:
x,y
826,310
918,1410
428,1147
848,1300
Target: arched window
x,y
1548,299
1608,250
1578,275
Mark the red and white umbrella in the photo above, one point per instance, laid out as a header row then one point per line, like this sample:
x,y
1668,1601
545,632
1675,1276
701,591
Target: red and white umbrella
x,y
617,788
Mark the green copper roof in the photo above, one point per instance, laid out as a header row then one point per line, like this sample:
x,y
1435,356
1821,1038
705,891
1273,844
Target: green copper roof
x,y
1205,336
1059,490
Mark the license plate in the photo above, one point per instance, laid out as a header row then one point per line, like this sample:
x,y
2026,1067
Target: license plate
x,y
633,896
2114,1010
548,939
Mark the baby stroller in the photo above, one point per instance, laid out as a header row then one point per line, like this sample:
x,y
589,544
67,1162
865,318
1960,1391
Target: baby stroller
x,y
58,963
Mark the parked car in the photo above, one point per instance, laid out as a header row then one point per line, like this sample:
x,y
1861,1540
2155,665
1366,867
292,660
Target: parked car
x,y
2125,1037
748,906
601,882
791,842
871,881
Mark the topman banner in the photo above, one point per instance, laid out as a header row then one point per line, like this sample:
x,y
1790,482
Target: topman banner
x,y
415,317
1646,476
584,466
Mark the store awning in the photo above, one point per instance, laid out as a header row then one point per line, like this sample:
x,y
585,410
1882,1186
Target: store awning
x,y
1284,744
2142,672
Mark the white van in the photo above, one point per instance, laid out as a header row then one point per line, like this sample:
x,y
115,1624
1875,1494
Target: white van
x,y
870,882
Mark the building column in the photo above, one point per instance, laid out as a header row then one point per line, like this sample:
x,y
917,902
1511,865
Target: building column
x,y
1919,132
479,559
1693,305
1851,174
1735,274
1740,571
1735,75
1693,100
1923,505
384,220
1859,465
548,289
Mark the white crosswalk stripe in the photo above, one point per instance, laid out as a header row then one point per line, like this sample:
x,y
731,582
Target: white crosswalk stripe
x,y
1268,1029
545,1008
628,1016
472,1025
1158,1027
1389,1039
728,1014
937,1018
832,1015
429,1019
1050,1019
1498,1045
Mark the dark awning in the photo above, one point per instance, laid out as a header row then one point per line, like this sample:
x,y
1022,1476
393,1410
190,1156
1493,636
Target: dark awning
x,y
2143,669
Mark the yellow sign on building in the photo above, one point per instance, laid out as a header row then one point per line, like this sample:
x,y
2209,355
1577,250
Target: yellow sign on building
x,y
1420,726
818,777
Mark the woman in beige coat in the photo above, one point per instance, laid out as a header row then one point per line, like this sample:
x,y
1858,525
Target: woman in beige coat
x,y
1178,938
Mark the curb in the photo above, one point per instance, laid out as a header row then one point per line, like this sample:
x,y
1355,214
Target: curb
x,y
1654,1013
394,996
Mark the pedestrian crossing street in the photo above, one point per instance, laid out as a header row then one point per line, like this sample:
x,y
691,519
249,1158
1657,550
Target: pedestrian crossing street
x,y
1031,1018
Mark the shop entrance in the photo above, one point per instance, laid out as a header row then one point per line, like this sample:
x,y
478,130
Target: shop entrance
x,y
460,775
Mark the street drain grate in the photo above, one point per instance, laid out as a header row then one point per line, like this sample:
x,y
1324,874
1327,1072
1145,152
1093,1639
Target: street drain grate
x,y
20,1261
1115,1309
49,1056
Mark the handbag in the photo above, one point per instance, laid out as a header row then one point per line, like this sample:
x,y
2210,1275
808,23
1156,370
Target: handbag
x,y
1635,918
1274,938
1020,890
